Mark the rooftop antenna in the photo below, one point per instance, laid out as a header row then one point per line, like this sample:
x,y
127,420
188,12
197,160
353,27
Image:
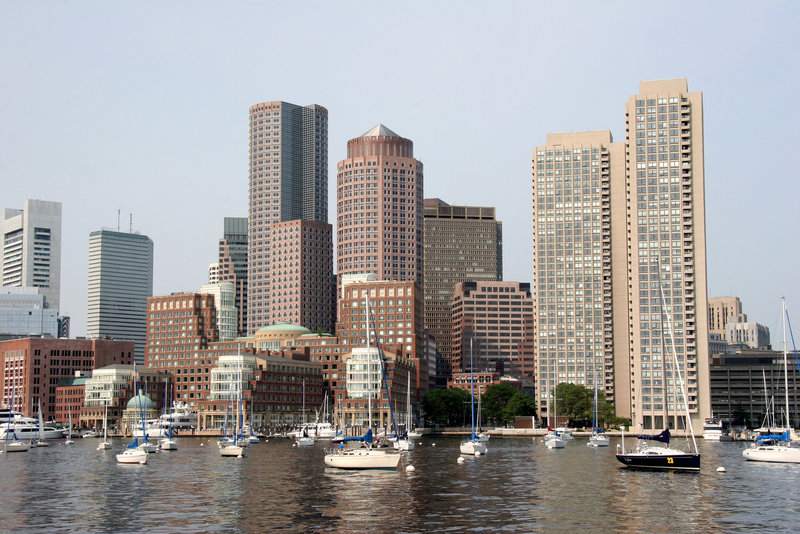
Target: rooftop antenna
x,y
117,219
130,228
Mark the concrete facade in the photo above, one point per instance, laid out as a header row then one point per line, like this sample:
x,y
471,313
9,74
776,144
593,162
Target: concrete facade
x,y
721,311
232,265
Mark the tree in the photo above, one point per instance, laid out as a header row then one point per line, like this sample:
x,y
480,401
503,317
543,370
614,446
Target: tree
x,y
445,407
494,400
575,402
518,405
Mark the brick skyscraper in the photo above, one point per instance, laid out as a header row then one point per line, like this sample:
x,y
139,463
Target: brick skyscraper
x,y
288,181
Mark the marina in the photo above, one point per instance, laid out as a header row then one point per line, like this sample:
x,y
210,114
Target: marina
x,y
521,486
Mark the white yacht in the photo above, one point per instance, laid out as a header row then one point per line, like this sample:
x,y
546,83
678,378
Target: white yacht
x,y
29,429
712,429
182,417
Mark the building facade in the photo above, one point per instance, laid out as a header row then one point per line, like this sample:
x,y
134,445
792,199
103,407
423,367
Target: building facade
x,y
224,294
23,313
232,265
379,208
579,268
460,244
32,367
753,335
667,253
493,326
721,311
300,274
288,181
31,248
120,282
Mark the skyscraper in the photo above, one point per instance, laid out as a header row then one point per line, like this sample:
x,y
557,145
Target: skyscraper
x,y
31,253
232,265
288,181
580,263
461,244
379,207
120,282
667,252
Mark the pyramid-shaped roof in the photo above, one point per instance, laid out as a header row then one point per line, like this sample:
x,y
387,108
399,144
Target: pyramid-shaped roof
x,y
379,130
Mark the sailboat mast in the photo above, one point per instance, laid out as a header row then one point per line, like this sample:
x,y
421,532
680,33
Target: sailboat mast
x,y
369,366
472,387
785,363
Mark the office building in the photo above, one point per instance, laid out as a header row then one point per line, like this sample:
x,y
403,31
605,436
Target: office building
x,y
226,312
31,248
721,311
460,244
288,181
579,268
493,327
667,253
232,265
23,313
753,335
301,272
379,208
120,282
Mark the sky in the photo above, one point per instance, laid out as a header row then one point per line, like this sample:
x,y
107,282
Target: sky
x,y
142,107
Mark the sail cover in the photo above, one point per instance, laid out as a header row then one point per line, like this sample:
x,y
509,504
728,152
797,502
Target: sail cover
x,y
366,438
663,437
774,437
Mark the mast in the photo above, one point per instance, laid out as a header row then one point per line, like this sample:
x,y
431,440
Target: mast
x,y
369,367
785,363
472,388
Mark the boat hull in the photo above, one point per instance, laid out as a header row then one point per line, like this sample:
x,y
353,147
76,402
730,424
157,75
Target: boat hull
x,y
473,447
32,432
305,442
598,441
17,446
103,446
663,462
404,445
132,456
554,443
773,454
232,450
362,459
168,445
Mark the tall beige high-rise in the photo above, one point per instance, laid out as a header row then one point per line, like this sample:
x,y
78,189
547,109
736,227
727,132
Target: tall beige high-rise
x,y
667,252
579,265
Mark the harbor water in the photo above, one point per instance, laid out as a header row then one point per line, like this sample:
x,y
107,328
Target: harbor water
x,y
519,486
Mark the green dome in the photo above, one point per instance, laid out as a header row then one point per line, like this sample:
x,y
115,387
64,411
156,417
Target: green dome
x,y
147,403
285,327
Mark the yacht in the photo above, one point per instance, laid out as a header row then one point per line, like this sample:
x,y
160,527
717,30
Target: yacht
x,y
181,416
29,429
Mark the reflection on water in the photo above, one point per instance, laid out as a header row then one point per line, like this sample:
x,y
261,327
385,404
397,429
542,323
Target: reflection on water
x,y
518,486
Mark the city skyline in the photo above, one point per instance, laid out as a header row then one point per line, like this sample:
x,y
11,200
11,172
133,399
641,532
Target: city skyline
x,y
474,121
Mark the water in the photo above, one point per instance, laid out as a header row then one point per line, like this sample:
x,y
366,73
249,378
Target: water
x,y
519,486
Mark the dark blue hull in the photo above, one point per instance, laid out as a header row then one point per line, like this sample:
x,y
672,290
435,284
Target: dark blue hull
x,y
674,462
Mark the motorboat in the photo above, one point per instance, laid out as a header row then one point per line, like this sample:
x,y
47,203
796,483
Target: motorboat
x,y
712,429
181,416
29,429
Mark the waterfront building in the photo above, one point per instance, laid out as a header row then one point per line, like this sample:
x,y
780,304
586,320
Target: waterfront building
x,y
23,313
227,314
744,384
666,252
69,398
110,386
120,282
579,264
379,208
288,181
721,311
495,321
31,248
33,366
460,244
397,318
232,265
301,271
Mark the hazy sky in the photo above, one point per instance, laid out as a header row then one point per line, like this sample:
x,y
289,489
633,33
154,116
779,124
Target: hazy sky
x,y
143,107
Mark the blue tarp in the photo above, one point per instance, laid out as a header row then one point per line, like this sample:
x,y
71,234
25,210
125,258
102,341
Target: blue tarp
x,y
774,437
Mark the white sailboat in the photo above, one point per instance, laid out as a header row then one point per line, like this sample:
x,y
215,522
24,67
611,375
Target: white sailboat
x,y
597,439
777,448
69,427
16,445
251,438
134,453
39,441
553,439
104,445
304,439
367,458
473,444
168,442
404,442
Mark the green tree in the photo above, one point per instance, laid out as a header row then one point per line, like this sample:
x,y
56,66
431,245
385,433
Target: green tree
x,y
494,400
575,402
445,407
518,405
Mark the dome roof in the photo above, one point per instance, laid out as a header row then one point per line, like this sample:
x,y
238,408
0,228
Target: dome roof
x,y
285,327
147,403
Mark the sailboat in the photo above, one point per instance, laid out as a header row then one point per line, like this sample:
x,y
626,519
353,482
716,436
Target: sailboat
x,y
251,438
473,444
304,440
168,443
404,442
104,444
69,427
597,439
665,458
16,445
366,457
133,453
777,447
39,441
553,439
235,448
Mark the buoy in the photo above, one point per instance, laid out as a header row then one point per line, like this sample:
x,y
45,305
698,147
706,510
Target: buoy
x,y
433,444
202,444
461,459
420,444
409,468
721,470
477,453
142,462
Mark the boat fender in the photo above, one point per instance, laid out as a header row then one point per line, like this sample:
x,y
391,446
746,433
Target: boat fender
x,y
721,469
460,459
410,468
477,453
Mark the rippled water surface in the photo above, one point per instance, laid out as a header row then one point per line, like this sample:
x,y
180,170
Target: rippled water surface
x,y
519,486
